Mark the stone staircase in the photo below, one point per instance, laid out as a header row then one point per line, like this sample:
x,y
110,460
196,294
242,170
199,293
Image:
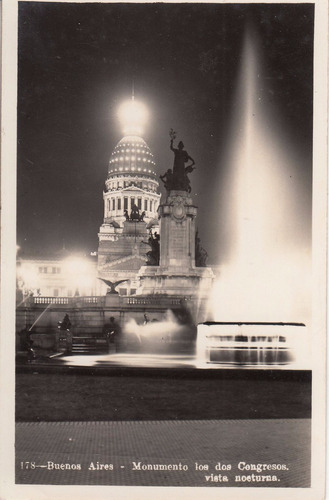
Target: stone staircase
x,y
89,345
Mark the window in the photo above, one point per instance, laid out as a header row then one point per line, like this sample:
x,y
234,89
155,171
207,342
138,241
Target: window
x,y
125,203
151,206
132,202
113,204
55,292
56,270
119,203
43,269
139,203
145,204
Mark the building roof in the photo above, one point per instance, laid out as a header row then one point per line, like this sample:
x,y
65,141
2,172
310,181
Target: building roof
x,y
132,156
55,256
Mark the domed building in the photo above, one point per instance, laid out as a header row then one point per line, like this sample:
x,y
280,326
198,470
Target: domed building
x,y
131,199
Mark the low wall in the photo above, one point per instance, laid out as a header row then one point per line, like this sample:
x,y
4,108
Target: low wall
x,y
88,315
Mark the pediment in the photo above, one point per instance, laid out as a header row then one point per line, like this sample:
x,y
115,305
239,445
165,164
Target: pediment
x,y
130,263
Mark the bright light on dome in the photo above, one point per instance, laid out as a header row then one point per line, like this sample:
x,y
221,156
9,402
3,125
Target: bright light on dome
x,y
133,116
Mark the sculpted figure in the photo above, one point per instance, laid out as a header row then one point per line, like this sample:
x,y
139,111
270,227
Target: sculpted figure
x,y
167,179
201,254
134,214
180,179
153,256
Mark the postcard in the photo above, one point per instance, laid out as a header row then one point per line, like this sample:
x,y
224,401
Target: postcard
x,y
164,221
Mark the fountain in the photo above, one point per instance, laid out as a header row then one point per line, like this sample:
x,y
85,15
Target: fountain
x,y
264,284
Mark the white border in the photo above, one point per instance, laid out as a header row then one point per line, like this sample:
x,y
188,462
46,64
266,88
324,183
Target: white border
x,y
8,489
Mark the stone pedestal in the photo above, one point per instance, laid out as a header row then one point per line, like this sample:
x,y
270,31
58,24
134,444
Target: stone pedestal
x,y
167,281
177,274
177,230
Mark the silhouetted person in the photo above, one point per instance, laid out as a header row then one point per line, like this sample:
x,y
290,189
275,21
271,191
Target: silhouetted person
x,y
30,351
113,333
65,324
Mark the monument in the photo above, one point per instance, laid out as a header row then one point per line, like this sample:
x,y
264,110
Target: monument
x,y
150,259
177,273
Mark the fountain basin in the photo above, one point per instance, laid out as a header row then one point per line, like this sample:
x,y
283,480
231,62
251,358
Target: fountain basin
x,y
245,344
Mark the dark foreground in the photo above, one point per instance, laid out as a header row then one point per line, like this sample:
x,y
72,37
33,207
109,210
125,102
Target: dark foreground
x,y
46,394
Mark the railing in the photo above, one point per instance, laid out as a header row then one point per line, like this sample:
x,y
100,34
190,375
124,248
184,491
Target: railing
x,y
152,300
90,300
50,300
64,300
101,301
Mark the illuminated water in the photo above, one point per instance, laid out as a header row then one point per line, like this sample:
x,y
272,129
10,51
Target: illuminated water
x,y
266,276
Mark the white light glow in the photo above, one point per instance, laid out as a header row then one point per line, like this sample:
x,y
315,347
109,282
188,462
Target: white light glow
x,y
79,274
133,116
266,276
165,330
29,275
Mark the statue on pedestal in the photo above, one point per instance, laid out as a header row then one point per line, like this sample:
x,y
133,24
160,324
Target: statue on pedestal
x,y
112,285
167,179
201,254
153,256
177,178
134,214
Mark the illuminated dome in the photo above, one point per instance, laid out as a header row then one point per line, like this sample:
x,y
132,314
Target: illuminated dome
x,y
132,155
132,183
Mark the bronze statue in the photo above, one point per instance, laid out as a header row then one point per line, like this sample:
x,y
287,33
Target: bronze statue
x,y
201,254
168,179
134,214
178,177
153,256
112,285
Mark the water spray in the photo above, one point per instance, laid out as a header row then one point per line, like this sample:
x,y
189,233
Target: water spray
x,y
43,312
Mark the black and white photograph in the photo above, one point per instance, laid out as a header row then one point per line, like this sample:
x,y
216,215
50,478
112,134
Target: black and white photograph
x,y
168,223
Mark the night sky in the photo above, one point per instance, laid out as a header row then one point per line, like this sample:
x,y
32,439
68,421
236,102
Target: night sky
x,y
76,65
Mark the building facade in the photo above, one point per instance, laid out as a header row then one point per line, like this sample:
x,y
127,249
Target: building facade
x,y
59,275
131,200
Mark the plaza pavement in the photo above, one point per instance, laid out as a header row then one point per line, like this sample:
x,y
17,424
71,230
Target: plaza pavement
x,y
127,447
